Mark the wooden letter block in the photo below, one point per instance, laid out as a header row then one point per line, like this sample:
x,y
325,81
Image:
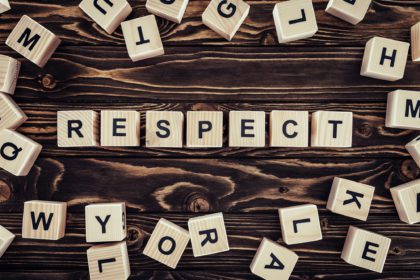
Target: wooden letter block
x,y
105,222
352,11
208,235
77,128
384,59
273,262
415,42
17,152
6,238
120,128
108,14
403,109
246,129
9,73
164,129
225,16
204,129
142,38
33,41
414,149
300,224
11,116
109,261
44,220
167,243
332,129
294,20
4,6
365,249
289,129
172,10
350,198
407,201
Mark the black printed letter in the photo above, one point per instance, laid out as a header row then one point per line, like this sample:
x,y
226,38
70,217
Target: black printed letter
x,y
41,218
161,127
171,249
367,250
102,10
103,223
275,263
204,126
74,125
245,127
116,126
230,7
211,236
302,19
29,41
294,134
392,57
335,127
410,111
354,196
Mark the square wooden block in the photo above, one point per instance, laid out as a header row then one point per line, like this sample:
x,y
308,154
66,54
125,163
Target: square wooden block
x,y
415,42
272,261
107,14
109,261
17,152
403,109
77,128
384,59
246,129
407,201
44,220
142,38
225,17
105,222
167,243
365,249
172,10
120,128
204,129
4,6
414,149
300,224
208,235
11,116
352,11
294,20
33,41
351,199
9,74
332,129
164,129
289,129
6,238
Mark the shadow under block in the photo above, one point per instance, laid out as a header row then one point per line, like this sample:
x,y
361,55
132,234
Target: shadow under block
x,y
246,129
33,41
109,261
414,149
294,20
365,249
120,128
77,128
17,152
225,16
208,235
289,129
142,38
172,10
9,74
332,129
4,6
415,42
105,222
403,109
204,129
352,11
6,238
300,224
272,261
44,220
407,201
384,59
164,129
351,199
108,14
167,243
11,116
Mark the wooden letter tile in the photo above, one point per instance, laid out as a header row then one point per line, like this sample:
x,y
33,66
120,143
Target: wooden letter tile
x,y
246,129
352,11
11,116
414,149
403,109
273,262
105,222
142,38
407,201
77,128
384,59
289,129
164,129
204,129
415,42
332,129
6,238
167,243
294,20
4,6
120,128
351,199
172,10
33,41
365,249
9,73
108,14
44,220
225,16
109,261
300,224
208,235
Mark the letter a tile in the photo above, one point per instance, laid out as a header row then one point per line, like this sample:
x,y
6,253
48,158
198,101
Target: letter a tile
x,y
403,109
407,200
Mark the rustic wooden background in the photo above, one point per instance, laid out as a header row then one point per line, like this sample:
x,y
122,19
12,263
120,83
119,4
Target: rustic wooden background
x,y
91,70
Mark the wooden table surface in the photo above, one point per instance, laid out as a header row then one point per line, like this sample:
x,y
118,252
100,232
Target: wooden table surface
x,y
91,70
